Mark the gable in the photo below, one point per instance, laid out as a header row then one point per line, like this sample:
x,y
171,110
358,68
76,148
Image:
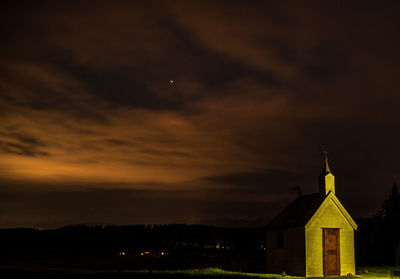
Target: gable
x,y
331,213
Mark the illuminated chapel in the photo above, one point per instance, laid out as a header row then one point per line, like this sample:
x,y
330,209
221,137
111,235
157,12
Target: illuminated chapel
x,y
314,235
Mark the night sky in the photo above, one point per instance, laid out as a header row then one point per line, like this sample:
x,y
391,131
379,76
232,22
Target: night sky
x,y
210,112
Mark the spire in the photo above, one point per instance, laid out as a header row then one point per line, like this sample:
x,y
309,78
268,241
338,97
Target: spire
x,y
326,179
326,169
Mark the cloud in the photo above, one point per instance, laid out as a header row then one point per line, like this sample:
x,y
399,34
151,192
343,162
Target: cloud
x,y
49,209
86,138
265,182
259,91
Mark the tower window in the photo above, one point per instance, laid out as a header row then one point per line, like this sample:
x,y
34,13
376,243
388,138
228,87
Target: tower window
x,y
279,240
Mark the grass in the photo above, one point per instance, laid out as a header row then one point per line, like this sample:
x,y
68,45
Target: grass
x,y
208,273
212,272
377,271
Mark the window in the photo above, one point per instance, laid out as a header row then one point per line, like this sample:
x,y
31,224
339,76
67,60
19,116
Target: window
x,y
279,240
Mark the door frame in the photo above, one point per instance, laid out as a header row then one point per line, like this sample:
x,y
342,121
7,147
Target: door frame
x,y
337,231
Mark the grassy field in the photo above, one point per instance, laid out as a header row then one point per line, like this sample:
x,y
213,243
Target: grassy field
x,y
377,272
209,273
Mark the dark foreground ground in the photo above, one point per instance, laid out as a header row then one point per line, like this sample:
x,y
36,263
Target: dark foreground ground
x,y
31,271
26,270
128,266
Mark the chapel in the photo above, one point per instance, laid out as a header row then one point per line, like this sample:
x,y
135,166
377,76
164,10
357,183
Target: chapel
x,y
314,235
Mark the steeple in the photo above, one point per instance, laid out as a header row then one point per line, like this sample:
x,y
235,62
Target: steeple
x,y
326,179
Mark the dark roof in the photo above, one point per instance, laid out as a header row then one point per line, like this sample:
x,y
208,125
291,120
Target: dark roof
x,y
298,213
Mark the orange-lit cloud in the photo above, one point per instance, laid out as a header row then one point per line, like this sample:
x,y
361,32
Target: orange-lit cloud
x,y
87,106
127,144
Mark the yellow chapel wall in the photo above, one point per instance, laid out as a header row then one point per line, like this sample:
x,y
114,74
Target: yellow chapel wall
x,y
329,216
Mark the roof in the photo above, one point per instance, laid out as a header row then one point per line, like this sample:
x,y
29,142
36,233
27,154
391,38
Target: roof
x,y
298,213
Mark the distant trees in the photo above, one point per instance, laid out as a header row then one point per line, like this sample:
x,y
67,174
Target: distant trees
x,y
390,215
175,246
391,206
378,238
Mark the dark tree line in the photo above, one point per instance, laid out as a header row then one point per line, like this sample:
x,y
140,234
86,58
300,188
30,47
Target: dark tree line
x,y
378,238
137,247
110,240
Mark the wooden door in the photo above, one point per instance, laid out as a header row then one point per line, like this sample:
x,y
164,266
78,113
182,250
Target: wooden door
x,y
331,251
